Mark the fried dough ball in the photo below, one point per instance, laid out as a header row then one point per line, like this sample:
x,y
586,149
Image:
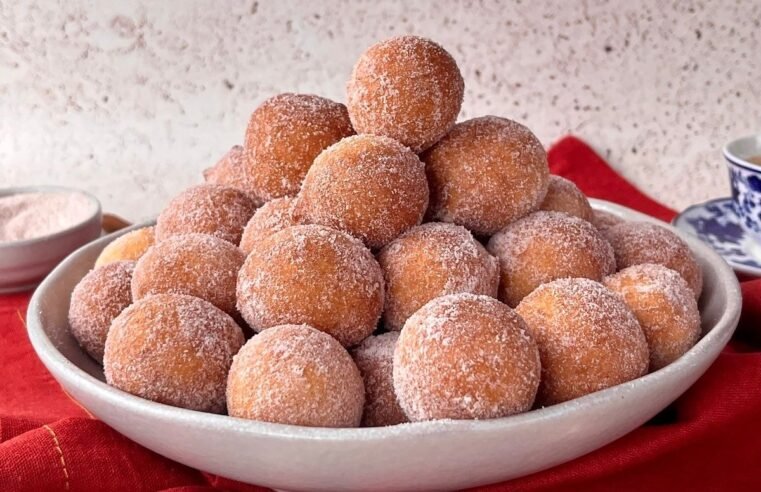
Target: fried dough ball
x,y
216,210
194,264
604,220
295,374
231,171
272,217
128,247
173,349
407,88
465,356
429,261
665,308
588,338
285,134
96,300
312,275
545,246
372,187
486,173
564,196
643,242
375,359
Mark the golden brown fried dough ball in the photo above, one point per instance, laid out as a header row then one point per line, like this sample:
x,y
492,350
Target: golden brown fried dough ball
x,y
284,136
372,187
588,338
312,275
407,88
295,374
429,261
216,210
173,349
665,308
545,246
465,356
643,242
194,264
486,173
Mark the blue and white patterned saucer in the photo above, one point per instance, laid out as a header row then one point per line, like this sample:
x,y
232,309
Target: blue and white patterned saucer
x,y
716,223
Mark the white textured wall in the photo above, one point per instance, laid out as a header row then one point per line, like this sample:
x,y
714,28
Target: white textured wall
x,y
131,99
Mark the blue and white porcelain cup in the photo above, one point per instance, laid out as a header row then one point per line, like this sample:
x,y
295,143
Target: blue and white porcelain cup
x,y
745,177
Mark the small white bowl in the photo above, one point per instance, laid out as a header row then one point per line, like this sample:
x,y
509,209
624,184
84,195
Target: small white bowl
x,y
440,455
23,264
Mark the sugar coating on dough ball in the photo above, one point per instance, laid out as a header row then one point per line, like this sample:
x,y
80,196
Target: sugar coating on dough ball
x,y
272,217
465,356
194,264
605,220
588,338
545,246
564,196
665,308
486,173
429,261
312,275
97,299
284,135
231,171
173,349
216,210
643,242
375,359
371,187
407,88
128,247
295,374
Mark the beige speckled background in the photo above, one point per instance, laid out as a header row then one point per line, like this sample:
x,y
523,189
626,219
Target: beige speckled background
x,y
132,99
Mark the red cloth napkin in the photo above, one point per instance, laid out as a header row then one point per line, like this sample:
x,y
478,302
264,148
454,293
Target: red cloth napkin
x,y
707,440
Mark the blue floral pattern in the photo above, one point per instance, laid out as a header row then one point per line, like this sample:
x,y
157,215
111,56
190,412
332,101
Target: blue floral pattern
x,y
746,192
717,224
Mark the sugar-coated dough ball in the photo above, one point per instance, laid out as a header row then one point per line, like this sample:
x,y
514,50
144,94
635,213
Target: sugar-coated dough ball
x,y
312,275
429,261
407,88
465,356
588,338
545,246
486,173
295,374
284,136
564,196
173,349
194,264
372,187
231,171
665,308
97,299
272,217
129,247
604,220
375,359
643,242
216,210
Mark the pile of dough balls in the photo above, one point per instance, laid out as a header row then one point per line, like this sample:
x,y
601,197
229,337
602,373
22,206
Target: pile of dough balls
x,y
377,263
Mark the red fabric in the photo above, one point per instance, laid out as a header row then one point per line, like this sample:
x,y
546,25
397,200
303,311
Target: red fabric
x,y
707,440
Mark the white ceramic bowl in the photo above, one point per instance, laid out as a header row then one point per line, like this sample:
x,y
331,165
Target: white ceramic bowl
x,y
423,456
23,264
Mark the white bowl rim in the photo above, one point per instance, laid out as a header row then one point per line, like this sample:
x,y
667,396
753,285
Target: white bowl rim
x,y
50,355
18,190
736,160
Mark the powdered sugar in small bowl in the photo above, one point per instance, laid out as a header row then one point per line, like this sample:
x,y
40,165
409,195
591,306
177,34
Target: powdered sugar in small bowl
x,y
39,227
